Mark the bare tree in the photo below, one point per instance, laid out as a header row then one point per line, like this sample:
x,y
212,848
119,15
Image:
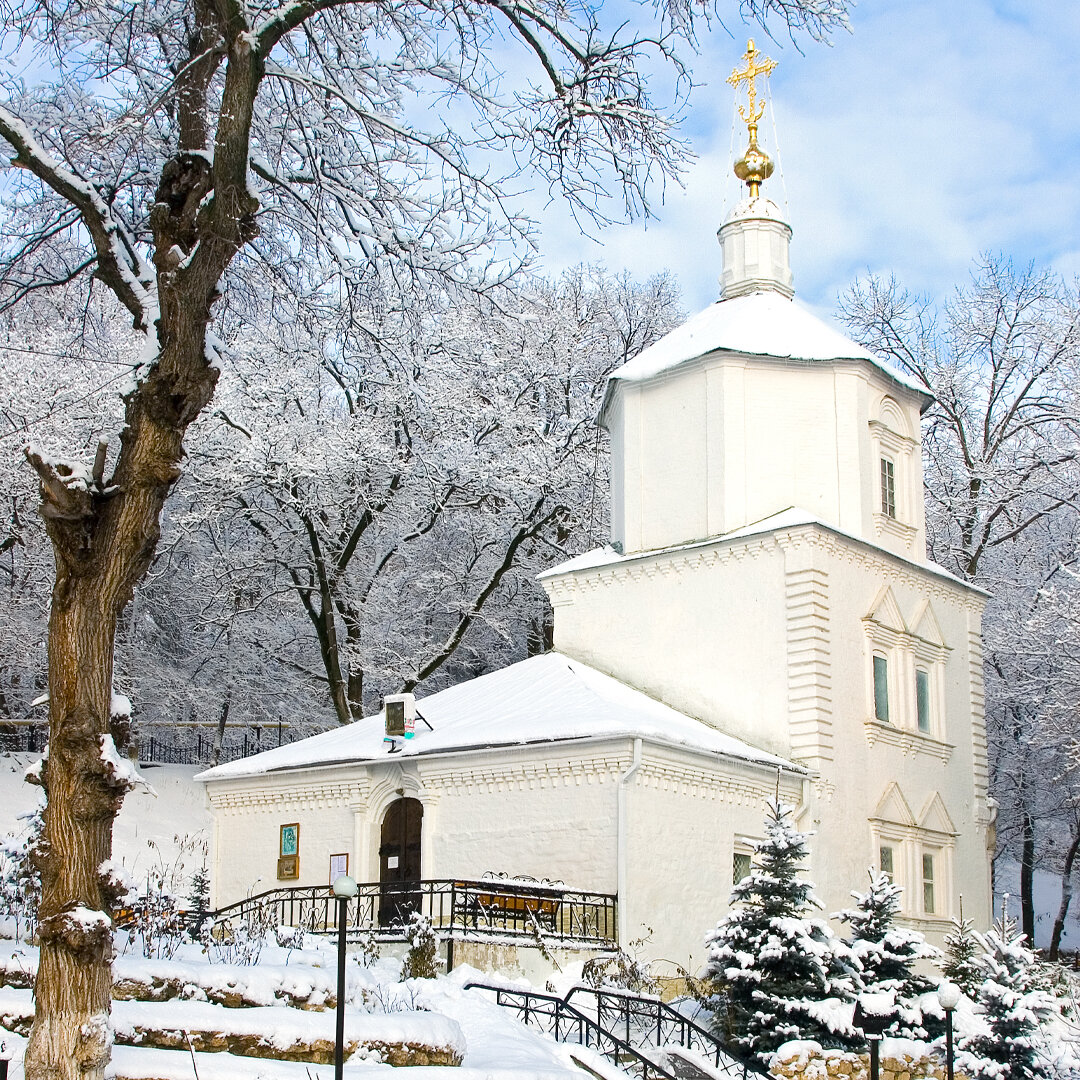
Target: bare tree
x,y
173,150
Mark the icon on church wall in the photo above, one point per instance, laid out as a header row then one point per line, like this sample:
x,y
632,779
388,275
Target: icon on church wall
x,y
290,840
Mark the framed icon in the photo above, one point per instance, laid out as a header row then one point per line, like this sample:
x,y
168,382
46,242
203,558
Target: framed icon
x,y
339,864
288,868
290,839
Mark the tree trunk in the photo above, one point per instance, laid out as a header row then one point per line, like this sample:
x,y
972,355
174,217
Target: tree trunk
x,y
1027,878
1066,892
74,981
219,732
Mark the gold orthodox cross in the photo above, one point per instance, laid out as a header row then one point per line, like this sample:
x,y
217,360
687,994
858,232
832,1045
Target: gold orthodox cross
x,y
749,76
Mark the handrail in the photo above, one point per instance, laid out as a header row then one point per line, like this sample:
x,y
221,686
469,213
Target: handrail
x,y
628,1007
458,907
572,1025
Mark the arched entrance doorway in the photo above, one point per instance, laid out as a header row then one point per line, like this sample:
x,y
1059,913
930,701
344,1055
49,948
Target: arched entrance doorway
x,y
399,861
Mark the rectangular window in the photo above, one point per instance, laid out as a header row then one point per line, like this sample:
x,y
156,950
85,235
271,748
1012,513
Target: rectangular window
x,y
881,688
928,884
922,698
888,488
740,867
885,860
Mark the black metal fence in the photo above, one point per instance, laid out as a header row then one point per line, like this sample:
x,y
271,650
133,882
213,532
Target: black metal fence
x,y
462,908
193,748
568,1024
648,1021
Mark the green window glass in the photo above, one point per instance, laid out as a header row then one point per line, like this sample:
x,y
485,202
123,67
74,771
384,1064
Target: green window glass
x,y
740,867
881,688
928,884
922,698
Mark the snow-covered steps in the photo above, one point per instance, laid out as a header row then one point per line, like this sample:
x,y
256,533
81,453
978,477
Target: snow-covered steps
x,y
274,1032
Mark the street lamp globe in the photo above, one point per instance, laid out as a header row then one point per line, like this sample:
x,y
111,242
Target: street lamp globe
x,y
345,887
948,995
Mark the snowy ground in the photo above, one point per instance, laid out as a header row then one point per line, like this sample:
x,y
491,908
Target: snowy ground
x,y
150,823
437,1012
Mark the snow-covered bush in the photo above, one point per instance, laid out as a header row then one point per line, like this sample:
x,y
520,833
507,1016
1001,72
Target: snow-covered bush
x,y
1014,1010
781,974
886,955
158,922
20,881
621,970
421,960
367,949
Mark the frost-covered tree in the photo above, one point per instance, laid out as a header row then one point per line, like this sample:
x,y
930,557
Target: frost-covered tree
x,y
188,156
887,954
1013,1008
782,971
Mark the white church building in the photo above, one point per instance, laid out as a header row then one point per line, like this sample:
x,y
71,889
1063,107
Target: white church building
x,y
764,616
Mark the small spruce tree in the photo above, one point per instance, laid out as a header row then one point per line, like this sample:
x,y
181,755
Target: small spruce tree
x,y
962,951
1013,1008
886,955
774,964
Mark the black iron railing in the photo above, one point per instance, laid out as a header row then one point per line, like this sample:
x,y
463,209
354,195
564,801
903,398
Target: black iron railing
x,y
648,1021
568,1024
457,907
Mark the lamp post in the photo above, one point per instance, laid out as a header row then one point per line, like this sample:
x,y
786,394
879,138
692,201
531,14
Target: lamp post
x,y
873,1014
344,890
948,995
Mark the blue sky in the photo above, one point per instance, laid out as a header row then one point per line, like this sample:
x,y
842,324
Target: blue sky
x,y
932,132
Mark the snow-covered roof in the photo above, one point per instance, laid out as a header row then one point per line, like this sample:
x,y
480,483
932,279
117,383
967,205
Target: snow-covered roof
x,y
790,518
544,699
758,324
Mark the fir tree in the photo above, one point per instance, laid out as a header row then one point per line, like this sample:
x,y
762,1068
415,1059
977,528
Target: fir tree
x,y
886,955
775,964
962,951
1013,1009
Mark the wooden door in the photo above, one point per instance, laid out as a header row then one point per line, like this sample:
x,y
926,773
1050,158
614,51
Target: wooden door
x,y
399,861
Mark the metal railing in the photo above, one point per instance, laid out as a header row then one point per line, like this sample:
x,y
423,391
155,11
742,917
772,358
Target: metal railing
x,y
649,1021
458,908
567,1024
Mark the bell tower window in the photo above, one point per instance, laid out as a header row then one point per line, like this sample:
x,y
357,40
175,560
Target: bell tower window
x,y
888,488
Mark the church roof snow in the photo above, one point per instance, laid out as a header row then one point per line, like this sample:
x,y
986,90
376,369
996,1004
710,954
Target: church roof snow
x,y
545,699
758,324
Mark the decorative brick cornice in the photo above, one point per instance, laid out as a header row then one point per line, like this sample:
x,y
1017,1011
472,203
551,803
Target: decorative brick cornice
x,y
887,568
467,777
309,795
648,565
911,743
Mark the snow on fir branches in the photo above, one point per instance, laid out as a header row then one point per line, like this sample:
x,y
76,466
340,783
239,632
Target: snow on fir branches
x,y
782,973
886,955
1013,1044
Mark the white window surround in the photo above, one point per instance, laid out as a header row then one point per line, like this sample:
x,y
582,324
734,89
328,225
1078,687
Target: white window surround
x,y
891,440
894,826
905,652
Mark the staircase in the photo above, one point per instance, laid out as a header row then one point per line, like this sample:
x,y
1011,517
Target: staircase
x,y
643,1036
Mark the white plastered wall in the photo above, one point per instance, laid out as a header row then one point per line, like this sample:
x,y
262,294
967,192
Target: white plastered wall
x,y
727,440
